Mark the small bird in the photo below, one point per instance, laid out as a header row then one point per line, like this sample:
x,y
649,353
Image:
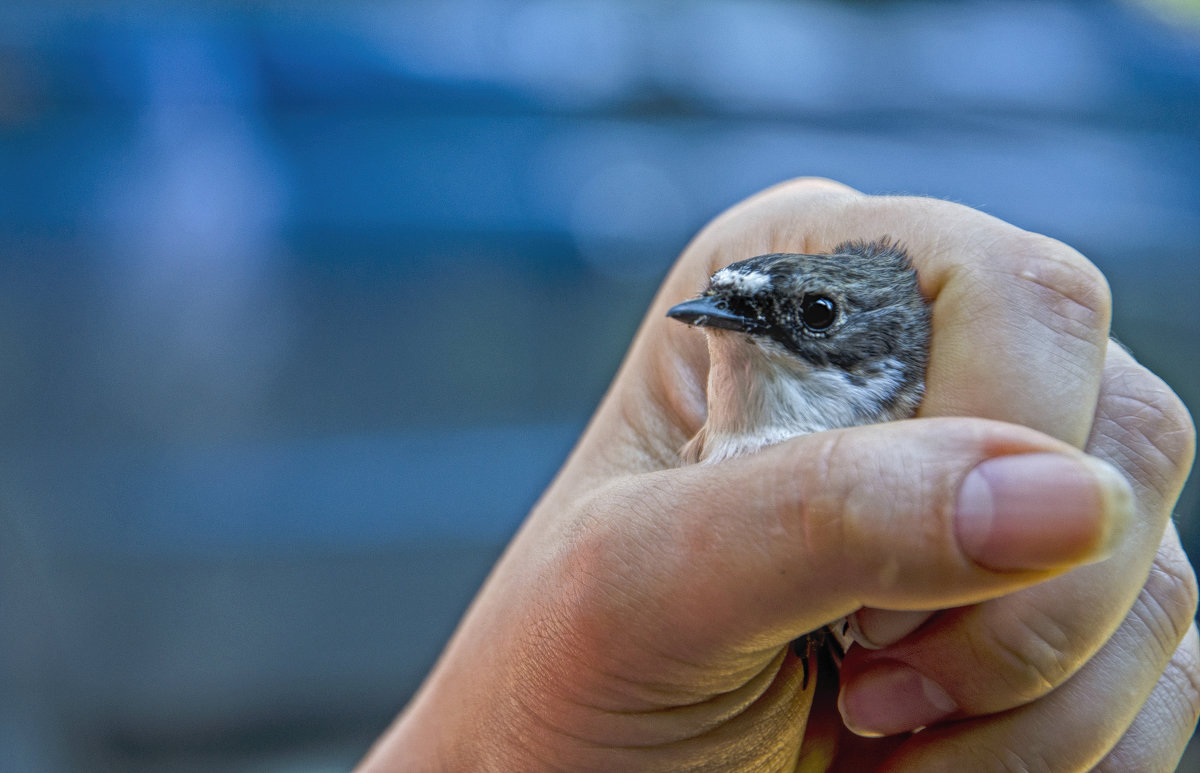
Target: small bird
x,y
807,343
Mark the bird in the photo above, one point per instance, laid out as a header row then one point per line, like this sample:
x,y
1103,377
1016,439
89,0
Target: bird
x,y
804,343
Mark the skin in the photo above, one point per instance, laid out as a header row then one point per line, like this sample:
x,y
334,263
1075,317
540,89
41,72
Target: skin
x,y
641,617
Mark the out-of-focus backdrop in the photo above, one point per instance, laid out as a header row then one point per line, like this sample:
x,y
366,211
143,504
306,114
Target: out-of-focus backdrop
x,y
301,305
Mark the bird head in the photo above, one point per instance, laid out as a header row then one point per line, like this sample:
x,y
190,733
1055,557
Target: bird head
x,y
803,343
857,306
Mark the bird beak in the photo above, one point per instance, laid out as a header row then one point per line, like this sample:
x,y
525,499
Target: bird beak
x,y
710,311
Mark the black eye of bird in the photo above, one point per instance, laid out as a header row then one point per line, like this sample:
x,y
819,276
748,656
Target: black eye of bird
x,y
818,312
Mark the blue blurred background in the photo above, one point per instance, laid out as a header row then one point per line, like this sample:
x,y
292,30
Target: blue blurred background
x,y
301,306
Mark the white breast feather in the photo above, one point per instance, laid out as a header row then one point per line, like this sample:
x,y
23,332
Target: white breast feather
x,y
758,397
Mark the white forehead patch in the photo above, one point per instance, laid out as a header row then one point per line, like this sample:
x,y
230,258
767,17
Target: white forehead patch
x,y
744,282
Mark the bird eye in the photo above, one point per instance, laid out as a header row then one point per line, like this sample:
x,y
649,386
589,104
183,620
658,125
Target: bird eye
x,y
818,312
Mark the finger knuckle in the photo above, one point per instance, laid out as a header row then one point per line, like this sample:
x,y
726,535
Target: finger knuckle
x,y
1167,603
1167,720
811,184
815,514
1063,270
1182,678
1032,651
846,515
1154,430
1067,284
986,758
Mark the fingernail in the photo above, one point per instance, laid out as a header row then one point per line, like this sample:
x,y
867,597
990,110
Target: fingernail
x,y
1042,511
891,698
878,628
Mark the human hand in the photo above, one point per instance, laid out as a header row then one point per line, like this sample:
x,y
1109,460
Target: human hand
x,y
641,617
1059,684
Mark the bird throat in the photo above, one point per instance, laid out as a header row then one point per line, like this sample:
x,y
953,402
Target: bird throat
x,y
760,395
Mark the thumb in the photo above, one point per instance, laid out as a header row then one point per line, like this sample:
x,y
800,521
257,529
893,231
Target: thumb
x,y
921,514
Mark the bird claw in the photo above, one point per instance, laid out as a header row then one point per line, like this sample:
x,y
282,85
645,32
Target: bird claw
x,y
808,648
